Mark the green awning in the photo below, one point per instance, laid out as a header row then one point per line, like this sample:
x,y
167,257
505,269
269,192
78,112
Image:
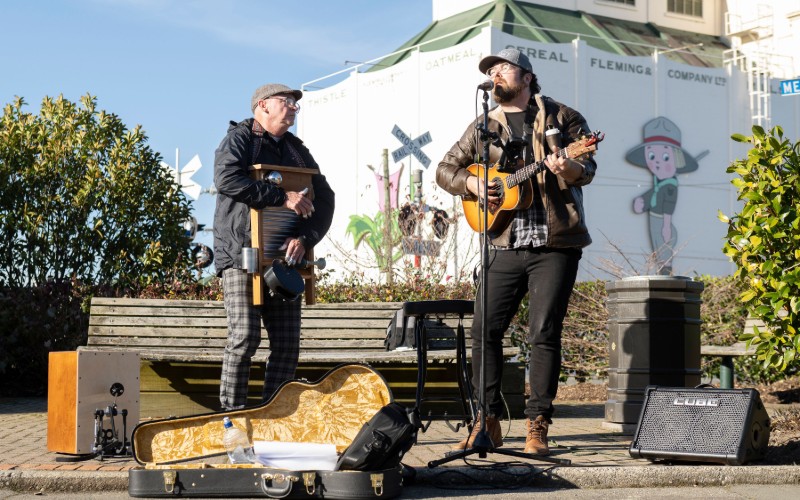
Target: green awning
x,y
552,25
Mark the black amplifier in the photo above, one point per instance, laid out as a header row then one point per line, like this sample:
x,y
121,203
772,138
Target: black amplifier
x,y
728,426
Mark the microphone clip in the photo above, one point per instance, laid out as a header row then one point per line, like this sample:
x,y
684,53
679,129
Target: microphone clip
x,y
486,86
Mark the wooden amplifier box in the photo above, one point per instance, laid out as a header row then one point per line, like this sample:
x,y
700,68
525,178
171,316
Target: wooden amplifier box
x,y
78,384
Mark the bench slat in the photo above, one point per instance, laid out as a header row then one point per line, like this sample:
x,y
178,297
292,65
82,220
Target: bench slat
x,y
219,312
190,321
176,321
218,304
737,349
126,301
214,312
122,332
219,343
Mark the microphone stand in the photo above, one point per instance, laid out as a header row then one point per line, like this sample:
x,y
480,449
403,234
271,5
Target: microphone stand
x,y
483,443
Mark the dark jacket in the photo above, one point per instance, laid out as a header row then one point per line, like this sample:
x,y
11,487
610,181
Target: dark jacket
x,y
566,220
238,192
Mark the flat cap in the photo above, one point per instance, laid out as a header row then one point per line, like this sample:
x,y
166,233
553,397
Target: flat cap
x,y
271,89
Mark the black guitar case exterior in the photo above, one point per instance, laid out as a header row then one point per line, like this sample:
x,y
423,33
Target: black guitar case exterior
x,y
230,481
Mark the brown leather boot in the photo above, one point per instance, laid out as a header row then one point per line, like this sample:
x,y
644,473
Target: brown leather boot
x,y
536,436
492,428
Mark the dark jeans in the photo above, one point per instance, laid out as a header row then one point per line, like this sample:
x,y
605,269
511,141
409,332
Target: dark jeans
x,y
547,274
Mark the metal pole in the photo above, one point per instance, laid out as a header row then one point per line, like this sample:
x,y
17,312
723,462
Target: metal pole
x,y
387,221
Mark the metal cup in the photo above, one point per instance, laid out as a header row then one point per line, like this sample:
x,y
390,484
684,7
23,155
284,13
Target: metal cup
x,y
250,259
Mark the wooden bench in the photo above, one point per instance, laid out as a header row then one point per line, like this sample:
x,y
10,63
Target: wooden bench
x,y
727,353
181,342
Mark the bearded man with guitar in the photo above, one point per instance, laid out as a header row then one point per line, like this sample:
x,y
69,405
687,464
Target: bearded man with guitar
x,y
537,228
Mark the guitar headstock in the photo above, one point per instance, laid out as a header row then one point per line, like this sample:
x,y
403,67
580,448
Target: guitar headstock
x,y
585,145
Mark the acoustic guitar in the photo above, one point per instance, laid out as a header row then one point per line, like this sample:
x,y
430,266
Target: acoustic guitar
x,y
514,188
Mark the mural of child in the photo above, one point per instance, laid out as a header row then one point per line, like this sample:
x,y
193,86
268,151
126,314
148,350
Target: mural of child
x,y
662,154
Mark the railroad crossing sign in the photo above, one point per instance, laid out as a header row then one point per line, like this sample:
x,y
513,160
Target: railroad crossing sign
x,y
183,176
411,146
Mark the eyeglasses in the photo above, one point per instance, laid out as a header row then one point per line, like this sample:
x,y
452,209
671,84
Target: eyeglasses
x,y
499,68
289,101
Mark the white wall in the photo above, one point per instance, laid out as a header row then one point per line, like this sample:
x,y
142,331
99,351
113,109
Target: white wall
x,y
347,126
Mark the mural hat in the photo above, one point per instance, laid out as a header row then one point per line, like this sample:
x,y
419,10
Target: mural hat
x,y
661,131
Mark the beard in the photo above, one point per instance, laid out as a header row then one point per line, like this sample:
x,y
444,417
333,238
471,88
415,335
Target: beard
x,y
504,93
507,92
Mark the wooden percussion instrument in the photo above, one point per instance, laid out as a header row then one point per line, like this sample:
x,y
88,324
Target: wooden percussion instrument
x,y
271,226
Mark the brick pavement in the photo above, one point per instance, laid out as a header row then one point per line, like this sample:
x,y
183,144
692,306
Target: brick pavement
x,y
599,459
576,434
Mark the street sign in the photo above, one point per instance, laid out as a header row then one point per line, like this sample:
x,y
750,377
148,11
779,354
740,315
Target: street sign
x,y
790,87
416,246
411,146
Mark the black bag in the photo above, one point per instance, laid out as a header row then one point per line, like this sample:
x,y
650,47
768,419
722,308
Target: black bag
x,y
400,332
382,442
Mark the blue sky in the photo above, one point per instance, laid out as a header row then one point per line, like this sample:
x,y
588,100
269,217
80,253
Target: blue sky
x,y
183,68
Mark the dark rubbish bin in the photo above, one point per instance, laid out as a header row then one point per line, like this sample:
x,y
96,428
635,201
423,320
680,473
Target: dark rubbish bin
x,y
653,339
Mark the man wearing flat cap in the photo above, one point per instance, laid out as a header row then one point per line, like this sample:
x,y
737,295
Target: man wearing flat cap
x,y
538,251
263,139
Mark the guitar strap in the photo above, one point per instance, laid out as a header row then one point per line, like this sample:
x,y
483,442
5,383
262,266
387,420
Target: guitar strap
x,y
527,129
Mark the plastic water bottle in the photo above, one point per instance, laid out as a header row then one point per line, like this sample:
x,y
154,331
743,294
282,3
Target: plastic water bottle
x,y
237,444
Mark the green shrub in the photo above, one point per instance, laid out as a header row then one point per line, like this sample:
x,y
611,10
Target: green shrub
x,y
763,241
85,198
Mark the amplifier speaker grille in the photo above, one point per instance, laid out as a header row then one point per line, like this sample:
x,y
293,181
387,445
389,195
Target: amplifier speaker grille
x,y
707,425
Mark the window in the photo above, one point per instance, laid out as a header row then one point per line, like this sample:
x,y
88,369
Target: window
x,y
686,7
626,2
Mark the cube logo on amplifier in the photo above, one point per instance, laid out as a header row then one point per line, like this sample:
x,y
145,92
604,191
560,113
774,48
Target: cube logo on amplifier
x,y
696,402
729,426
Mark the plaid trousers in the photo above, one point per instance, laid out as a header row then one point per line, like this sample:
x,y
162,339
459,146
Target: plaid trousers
x,y
281,319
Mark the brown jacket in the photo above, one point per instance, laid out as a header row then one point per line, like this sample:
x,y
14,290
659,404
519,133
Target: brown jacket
x,y
566,220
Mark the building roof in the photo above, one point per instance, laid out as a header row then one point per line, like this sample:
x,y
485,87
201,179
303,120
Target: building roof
x,y
552,25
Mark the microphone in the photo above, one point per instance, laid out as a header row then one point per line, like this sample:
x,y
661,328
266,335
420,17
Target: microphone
x,y
486,86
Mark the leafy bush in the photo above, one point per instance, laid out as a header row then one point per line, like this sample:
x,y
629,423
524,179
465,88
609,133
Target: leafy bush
x,y
84,198
763,241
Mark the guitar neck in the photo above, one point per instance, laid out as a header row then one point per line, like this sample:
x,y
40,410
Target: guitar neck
x,y
529,171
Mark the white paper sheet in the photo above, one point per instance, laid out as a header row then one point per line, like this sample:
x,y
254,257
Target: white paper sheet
x,y
296,456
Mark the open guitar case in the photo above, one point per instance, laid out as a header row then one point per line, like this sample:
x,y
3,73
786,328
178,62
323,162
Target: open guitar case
x,y
185,457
